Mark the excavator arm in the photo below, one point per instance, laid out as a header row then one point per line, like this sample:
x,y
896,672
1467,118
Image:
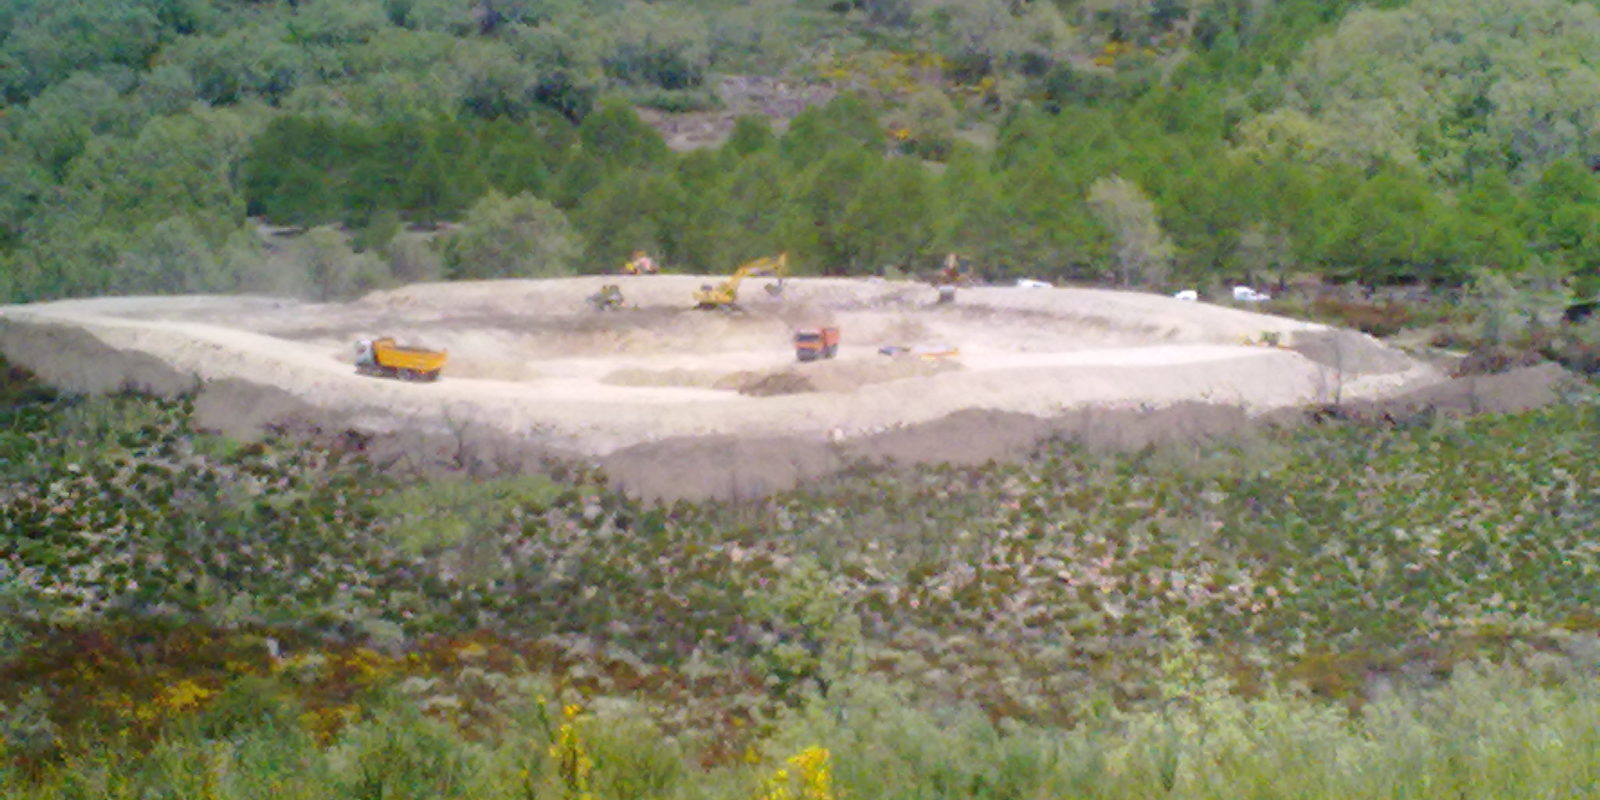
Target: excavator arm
x,y
727,293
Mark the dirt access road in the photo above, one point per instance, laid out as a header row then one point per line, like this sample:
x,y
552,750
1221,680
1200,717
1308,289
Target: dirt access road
x,y
531,361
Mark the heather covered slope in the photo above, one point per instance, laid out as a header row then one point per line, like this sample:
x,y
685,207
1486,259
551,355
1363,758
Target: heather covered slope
x,y
183,610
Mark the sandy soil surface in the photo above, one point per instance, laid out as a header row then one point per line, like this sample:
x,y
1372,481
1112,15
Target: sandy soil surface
x,y
531,359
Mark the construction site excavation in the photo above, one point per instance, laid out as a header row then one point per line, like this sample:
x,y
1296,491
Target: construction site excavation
x,y
720,398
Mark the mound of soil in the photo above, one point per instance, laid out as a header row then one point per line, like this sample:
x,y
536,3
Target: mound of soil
x,y
967,438
1130,430
1350,352
777,383
717,467
244,410
1518,390
75,361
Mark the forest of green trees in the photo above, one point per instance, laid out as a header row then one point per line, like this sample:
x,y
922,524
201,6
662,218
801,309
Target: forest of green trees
x,y
1142,142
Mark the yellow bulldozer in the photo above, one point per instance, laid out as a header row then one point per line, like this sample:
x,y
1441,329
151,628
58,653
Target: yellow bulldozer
x,y
725,296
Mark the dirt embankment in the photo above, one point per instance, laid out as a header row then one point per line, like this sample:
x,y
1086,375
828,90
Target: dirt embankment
x,y
730,468
75,361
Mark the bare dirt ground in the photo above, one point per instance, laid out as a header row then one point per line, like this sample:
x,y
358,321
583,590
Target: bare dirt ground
x,y
658,389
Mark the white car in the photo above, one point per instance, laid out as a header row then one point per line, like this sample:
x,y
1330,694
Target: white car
x,y
1249,295
1189,295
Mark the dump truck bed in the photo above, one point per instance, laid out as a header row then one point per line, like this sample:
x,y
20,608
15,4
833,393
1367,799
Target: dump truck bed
x,y
411,362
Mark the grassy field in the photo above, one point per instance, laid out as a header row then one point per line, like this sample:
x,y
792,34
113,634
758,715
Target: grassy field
x,y
1334,611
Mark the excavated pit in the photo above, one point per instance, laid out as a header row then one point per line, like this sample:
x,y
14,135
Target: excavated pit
x,y
533,365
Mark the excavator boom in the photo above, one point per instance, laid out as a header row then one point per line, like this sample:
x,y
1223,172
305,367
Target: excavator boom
x,y
726,294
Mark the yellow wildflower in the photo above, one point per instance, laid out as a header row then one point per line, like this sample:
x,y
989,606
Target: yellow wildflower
x,y
325,723
573,762
777,786
185,695
367,663
816,775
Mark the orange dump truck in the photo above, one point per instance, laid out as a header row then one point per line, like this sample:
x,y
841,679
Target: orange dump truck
x,y
385,358
815,343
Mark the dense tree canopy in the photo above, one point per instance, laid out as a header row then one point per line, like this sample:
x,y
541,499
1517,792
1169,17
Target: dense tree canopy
x,y
1453,86
1152,142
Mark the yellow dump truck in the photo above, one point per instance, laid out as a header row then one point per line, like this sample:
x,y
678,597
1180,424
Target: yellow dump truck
x,y
385,358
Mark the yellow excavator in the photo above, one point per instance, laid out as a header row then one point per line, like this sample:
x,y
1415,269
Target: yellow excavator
x,y
726,295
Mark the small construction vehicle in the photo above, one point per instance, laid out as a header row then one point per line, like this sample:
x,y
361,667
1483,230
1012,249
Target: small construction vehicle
x,y
811,344
953,275
386,359
609,298
725,296
926,352
640,264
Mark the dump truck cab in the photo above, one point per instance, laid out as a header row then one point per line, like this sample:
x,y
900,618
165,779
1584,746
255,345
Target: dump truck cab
x,y
811,344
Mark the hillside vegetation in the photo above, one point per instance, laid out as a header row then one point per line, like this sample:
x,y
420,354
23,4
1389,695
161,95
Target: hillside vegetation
x,y
1191,615
1408,609
1150,142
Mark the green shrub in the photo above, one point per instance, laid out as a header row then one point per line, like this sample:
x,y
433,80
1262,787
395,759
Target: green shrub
x,y
440,514
1486,732
676,101
399,754
1378,319
512,237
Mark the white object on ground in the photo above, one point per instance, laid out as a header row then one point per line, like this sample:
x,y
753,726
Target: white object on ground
x,y
1029,283
1249,295
1188,294
934,350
